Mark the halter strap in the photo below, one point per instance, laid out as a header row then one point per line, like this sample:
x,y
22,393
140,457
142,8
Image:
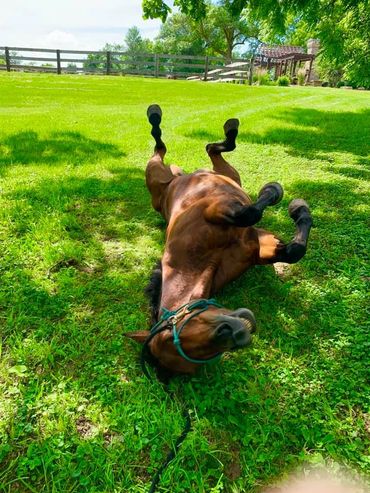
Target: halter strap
x,y
172,318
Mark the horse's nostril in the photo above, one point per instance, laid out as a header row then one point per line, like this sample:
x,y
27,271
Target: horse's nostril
x,y
224,331
242,338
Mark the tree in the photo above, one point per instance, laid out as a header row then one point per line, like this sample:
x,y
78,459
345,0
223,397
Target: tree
x,y
71,67
177,36
223,31
343,26
135,44
219,33
135,48
98,61
345,37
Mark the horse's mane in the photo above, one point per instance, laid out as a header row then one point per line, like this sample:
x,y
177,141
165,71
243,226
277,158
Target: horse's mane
x,y
154,290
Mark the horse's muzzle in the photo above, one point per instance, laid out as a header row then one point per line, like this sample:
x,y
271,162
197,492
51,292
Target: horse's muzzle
x,y
234,330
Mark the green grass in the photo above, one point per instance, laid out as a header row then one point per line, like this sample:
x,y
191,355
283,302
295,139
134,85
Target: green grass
x,y
78,239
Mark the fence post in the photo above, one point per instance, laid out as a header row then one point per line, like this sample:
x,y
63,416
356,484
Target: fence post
x,y
250,75
7,59
206,66
59,67
156,65
109,62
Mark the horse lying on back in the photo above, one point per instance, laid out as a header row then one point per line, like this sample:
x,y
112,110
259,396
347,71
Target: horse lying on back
x,y
211,240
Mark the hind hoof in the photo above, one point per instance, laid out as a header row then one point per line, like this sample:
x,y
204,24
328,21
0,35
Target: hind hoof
x,y
276,191
231,124
297,207
154,113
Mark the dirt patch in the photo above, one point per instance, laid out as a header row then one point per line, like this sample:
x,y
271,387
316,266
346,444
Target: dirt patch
x,y
111,437
233,469
282,269
113,250
85,428
63,264
75,264
367,423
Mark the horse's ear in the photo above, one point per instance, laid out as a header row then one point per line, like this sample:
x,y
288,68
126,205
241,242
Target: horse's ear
x,y
138,336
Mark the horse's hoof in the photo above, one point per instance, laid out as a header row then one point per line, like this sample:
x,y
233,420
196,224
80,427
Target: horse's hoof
x,y
296,207
231,124
276,191
154,113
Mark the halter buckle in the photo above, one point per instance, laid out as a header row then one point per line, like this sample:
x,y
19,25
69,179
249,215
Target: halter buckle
x,y
179,315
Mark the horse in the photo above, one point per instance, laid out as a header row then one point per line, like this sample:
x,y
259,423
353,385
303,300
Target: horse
x,y
211,239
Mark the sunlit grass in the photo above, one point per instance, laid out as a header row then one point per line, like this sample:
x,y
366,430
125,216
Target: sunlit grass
x,y
78,239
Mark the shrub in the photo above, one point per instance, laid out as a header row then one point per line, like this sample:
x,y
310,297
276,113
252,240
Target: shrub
x,y
262,77
283,80
301,76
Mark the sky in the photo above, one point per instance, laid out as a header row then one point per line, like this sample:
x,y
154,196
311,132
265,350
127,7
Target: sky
x,y
71,24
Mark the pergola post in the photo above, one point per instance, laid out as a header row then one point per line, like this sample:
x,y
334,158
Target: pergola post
x,y
294,66
309,71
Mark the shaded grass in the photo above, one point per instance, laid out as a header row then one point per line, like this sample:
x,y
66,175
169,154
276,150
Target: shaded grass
x,y
79,238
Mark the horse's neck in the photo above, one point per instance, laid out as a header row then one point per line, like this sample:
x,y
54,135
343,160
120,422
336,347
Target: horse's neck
x,y
180,287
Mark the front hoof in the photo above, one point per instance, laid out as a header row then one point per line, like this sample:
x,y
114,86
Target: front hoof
x,y
297,207
276,191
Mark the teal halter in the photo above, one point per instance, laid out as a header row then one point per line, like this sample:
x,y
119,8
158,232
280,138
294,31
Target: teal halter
x,y
170,320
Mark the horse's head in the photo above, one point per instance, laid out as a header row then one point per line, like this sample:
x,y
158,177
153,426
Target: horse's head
x,y
196,333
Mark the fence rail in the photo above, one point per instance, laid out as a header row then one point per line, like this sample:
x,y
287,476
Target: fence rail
x,y
107,62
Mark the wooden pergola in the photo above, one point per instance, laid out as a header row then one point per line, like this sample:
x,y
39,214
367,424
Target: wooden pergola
x,y
286,60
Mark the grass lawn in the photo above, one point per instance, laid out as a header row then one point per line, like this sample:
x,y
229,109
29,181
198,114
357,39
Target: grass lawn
x,y
78,240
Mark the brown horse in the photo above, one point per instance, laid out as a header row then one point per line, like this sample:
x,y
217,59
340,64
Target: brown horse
x,y
211,240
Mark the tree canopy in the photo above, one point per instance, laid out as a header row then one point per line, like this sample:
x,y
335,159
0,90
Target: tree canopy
x,y
134,43
219,33
343,27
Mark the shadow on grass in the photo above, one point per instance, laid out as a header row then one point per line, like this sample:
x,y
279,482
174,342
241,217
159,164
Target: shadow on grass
x,y
260,409
72,147
350,172
315,133
290,395
94,223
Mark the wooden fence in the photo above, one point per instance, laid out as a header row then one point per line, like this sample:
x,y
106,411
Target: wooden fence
x,y
106,62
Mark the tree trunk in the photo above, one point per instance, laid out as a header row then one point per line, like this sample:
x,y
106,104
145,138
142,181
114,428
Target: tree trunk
x,y
229,35
229,54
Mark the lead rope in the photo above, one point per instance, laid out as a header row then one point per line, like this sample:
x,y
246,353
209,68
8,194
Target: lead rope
x,y
167,314
172,454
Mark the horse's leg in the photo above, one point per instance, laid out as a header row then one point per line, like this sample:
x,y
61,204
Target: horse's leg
x,y
158,175
245,215
214,151
272,249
